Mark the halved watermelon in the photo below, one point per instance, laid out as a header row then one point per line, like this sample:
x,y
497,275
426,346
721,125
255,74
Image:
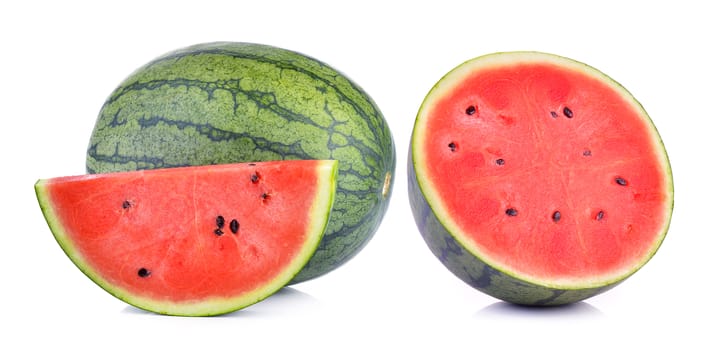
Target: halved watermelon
x,y
201,240
538,179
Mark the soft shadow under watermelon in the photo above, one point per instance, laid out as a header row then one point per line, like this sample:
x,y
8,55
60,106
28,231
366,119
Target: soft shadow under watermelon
x,y
578,309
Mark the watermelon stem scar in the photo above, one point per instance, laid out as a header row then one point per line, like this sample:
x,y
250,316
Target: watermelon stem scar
x,y
386,184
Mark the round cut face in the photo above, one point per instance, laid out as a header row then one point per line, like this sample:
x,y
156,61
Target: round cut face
x,y
544,167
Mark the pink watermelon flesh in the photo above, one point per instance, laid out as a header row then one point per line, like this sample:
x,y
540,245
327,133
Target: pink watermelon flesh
x,y
196,240
549,172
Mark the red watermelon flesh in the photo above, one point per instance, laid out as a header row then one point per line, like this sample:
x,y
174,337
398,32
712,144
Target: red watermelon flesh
x,y
544,168
200,240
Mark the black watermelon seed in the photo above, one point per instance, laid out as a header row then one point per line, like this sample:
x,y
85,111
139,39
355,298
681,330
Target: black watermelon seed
x,y
500,161
265,196
556,216
512,212
252,164
620,181
234,226
587,153
254,177
452,146
470,110
143,272
218,232
554,115
126,204
219,221
568,113
600,215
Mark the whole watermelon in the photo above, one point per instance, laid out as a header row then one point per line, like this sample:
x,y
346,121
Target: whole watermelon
x,y
226,102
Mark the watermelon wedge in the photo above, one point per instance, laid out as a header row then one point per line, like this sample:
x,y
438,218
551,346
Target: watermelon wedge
x,y
538,179
202,240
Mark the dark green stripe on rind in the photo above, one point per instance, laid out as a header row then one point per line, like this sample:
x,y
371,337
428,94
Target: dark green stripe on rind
x,y
238,102
476,272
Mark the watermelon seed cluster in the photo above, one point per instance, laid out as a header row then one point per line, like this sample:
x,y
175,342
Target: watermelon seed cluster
x,y
254,178
567,113
233,226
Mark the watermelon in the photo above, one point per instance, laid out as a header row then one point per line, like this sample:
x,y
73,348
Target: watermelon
x,y
227,102
199,240
538,179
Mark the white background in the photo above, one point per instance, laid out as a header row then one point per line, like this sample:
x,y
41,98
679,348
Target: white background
x,y
59,60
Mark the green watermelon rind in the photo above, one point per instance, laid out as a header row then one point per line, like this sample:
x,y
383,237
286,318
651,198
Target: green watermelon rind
x,y
458,253
261,103
319,214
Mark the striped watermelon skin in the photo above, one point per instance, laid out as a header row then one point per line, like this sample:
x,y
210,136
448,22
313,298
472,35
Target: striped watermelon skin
x,y
226,102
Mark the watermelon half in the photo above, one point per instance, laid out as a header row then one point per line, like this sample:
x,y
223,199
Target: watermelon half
x,y
200,240
538,179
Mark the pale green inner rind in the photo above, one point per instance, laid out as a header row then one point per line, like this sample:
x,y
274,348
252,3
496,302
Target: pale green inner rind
x,y
319,218
436,203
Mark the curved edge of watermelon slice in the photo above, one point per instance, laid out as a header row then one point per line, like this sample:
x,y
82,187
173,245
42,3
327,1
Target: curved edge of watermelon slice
x,y
459,253
319,213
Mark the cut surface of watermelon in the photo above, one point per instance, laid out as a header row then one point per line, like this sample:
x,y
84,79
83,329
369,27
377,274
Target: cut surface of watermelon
x,y
200,240
548,173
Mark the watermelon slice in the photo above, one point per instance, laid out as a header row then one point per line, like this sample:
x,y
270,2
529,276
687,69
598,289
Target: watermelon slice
x,y
538,179
201,240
